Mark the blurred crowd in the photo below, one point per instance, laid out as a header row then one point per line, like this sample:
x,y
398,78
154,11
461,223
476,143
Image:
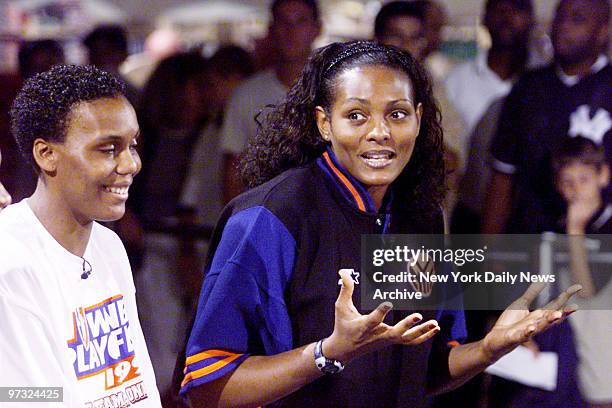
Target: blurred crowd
x,y
505,116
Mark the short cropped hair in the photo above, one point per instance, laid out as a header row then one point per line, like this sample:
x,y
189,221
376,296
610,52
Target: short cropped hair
x,y
232,59
397,9
312,4
111,34
42,106
524,5
27,51
578,150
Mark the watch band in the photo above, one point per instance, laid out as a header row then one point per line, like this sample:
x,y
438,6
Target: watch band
x,y
324,364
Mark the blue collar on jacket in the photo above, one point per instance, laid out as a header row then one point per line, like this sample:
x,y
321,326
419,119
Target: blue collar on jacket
x,y
353,190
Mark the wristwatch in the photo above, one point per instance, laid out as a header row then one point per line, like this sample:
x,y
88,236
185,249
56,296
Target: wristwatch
x,y
324,364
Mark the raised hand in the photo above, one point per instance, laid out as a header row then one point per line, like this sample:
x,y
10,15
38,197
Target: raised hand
x,y
517,324
356,334
579,212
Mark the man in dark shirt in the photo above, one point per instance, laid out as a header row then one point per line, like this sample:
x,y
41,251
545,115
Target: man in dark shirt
x,y
571,96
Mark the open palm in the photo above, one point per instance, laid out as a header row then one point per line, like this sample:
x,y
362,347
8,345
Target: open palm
x,y
356,334
517,324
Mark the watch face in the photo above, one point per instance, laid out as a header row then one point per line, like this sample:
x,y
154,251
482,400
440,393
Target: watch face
x,y
324,364
330,368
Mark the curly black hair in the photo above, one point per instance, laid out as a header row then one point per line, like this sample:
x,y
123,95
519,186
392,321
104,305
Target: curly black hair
x,y
42,106
288,136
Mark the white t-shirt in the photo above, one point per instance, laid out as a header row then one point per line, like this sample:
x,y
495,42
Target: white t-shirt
x,y
59,330
202,187
474,90
472,87
592,325
593,336
247,101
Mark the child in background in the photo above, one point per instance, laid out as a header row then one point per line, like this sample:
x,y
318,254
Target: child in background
x,y
581,176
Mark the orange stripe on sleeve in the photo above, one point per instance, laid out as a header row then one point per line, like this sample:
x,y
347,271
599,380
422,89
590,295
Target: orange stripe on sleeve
x,y
347,183
208,354
453,343
208,369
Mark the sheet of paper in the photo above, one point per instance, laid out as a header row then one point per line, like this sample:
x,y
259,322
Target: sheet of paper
x,y
522,366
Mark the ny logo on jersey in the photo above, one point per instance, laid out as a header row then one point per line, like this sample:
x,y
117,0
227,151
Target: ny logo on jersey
x,y
594,129
422,268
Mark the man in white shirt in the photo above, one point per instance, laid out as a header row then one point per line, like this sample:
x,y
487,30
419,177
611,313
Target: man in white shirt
x,y
406,24
67,299
473,85
295,25
474,88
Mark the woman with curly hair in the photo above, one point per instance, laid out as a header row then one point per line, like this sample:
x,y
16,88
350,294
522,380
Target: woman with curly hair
x,y
356,148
